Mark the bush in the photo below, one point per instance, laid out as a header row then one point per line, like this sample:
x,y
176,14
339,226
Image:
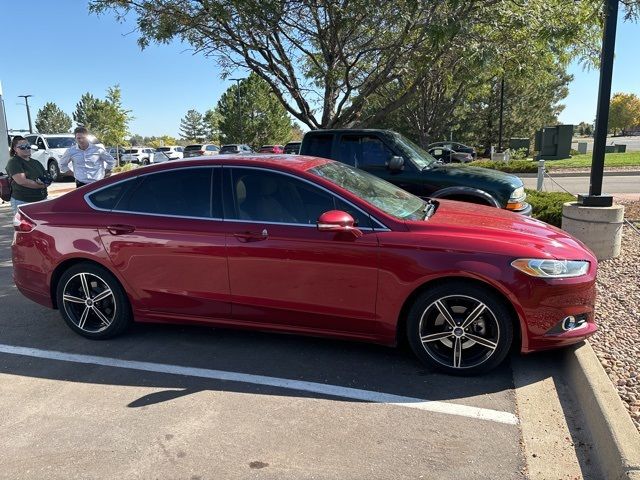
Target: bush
x,y
517,166
518,154
124,168
547,206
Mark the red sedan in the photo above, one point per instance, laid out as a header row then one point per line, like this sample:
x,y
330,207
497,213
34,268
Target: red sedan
x,y
309,246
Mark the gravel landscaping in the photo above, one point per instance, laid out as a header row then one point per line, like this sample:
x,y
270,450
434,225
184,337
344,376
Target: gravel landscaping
x,y
617,343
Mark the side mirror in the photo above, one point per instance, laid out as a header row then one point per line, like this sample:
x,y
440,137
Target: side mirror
x,y
338,221
396,163
34,148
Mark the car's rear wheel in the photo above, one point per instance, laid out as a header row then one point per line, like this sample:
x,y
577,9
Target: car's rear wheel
x,y
460,328
54,170
92,302
144,161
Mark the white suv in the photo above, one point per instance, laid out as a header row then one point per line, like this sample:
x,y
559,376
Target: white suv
x,y
141,155
174,152
51,147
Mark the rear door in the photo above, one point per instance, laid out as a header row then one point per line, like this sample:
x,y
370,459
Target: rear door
x,y
165,238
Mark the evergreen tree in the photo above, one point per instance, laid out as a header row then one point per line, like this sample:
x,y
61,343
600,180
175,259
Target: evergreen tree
x,y
51,119
192,126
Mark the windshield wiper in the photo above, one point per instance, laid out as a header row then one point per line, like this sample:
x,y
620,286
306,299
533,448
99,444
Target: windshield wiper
x,y
429,209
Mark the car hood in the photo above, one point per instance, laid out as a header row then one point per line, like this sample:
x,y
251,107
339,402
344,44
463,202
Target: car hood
x,y
495,230
478,173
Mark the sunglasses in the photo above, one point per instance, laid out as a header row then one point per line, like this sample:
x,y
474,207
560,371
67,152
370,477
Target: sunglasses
x,y
23,147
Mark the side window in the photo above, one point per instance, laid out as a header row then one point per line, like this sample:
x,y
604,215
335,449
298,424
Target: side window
x,y
211,148
40,144
185,192
262,196
349,151
374,153
109,197
32,139
319,145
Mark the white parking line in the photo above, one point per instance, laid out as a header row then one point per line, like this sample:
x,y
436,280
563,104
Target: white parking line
x,y
324,389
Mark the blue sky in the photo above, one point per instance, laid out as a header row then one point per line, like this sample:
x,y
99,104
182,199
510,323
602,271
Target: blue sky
x,y
56,51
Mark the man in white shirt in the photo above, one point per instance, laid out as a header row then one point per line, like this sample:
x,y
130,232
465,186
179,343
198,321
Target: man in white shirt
x,y
90,162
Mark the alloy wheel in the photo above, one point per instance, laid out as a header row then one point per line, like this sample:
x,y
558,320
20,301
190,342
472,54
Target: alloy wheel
x,y
89,302
459,331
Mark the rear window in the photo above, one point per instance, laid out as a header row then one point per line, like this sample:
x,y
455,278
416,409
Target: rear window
x,y
319,146
229,149
132,150
189,148
163,149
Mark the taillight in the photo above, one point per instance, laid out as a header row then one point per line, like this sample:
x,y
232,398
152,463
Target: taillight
x,y
22,223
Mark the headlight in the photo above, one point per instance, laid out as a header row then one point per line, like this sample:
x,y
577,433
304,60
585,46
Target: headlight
x,y
518,194
551,268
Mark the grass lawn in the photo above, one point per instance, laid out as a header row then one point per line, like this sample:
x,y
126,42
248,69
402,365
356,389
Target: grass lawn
x,y
631,159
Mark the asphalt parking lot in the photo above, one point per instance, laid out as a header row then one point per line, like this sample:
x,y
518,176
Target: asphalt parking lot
x,y
197,403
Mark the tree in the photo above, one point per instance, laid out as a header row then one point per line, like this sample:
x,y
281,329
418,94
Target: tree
x,y
326,59
51,119
107,119
251,113
192,126
160,141
136,140
624,112
212,119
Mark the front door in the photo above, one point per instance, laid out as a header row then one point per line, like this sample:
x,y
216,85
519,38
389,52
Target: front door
x,y
284,272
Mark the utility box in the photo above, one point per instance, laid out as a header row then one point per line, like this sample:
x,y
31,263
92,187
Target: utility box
x,y
520,143
582,148
554,143
621,148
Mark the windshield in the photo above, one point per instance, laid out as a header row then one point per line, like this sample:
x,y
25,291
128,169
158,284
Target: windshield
x,y
188,148
415,153
379,193
132,150
163,149
61,142
229,148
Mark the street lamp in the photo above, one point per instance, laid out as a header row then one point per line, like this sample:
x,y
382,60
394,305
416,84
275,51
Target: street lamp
x,y
238,80
26,103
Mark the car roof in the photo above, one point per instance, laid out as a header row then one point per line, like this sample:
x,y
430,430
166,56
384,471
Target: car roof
x,y
50,135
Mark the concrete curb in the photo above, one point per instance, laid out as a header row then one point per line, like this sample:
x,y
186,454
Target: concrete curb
x,y
616,442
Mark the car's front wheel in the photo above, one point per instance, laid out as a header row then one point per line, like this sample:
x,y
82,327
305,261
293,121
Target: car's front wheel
x,y
460,328
54,170
92,302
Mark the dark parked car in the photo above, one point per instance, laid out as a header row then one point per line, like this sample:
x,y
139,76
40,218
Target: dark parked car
x,y
390,156
292,148
308,246
200,149
446,155
456,147
236,148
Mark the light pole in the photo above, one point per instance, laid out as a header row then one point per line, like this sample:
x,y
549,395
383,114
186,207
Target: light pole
x,y
26,103
238,80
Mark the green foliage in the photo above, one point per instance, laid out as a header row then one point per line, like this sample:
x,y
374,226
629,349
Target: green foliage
x,y
125,168
155,142
547,206
211,121
250,113
51,119
624,112
327,61
518,154
192,126
107,119
515,166
583,129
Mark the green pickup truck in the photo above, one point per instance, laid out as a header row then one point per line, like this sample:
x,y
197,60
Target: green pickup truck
x,y
390,156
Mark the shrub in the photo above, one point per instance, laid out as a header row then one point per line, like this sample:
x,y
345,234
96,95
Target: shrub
x,y
124,168
547,206
518,154
516,166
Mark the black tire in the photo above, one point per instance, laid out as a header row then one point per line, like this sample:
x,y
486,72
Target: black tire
x,y
76,294
460,329
144,161
54,170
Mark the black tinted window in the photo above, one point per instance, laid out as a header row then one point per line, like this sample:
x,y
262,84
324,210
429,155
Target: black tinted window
x,y
273,197
189,148
108,198
184,192
61,142
320,146
374,153
349,151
